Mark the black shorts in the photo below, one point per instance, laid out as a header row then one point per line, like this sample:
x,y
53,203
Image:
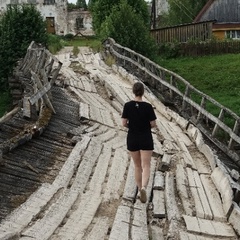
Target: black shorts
x,y
136,142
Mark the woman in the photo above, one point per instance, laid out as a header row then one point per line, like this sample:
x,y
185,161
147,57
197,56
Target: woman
x,y
139,117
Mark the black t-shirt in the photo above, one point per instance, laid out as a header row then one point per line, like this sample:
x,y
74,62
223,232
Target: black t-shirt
x,y
139,115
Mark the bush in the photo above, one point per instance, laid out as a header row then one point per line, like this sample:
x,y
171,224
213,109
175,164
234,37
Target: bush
x,y
69,36
55,43
19,26
128,29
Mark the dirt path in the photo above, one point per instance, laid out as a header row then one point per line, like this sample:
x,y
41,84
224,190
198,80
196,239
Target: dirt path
x,y
93,196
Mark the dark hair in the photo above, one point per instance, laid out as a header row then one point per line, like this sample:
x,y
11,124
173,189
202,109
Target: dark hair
x,y
138,89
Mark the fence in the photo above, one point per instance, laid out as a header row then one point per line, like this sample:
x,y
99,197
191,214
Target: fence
x,y
222,127
182,33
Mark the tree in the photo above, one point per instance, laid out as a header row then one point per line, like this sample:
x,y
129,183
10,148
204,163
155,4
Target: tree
x,y
19,25
101,9
127,28
81,4
183,11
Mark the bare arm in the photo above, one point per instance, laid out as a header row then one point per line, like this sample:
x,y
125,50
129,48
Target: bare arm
x,y
153,123
125,122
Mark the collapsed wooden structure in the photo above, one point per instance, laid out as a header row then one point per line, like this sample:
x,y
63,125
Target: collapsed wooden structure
x,y
31,84
32,80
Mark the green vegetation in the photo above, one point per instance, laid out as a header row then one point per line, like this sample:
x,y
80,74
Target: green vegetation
x,y
127,22
217,76
55,43
181,12
91,42
79,4
5,102
19,26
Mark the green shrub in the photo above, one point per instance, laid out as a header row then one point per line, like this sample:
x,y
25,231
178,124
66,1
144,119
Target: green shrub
x,y
19,26
69,36
55,43
5,102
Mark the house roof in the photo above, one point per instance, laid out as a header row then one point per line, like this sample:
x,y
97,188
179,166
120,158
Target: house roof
x,y
220,10
204,9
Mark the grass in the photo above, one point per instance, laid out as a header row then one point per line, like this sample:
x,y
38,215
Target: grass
x,y
217,76
91,42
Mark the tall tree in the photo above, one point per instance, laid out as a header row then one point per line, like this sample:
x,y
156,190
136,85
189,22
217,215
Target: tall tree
x,y
127,28
19,25
183,11
81,4
101,9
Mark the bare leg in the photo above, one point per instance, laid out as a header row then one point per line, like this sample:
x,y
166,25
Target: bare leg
x,y
137,167
146,164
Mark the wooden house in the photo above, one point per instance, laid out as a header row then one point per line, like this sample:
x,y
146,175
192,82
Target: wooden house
x,y
226,17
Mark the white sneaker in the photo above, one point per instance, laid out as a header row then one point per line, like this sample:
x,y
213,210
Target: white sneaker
x,y
143,195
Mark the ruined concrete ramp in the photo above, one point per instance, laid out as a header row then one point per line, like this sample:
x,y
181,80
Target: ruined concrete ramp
x,y
93,195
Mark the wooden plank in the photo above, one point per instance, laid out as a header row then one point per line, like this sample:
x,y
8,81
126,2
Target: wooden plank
x,y
45,97
39,94
183,189
26,107
184,236
139,223
170,147
223,186
203,198
83,111
119,140
159,181
213,198
81,217
107,118
157,145
66,172
101,169
88,84
23,215
209,227
46,226
165,163
156,233
99,230
179,134
117,92
194,191
9,115
186,155
58,210
95,114
121,221
162,130
70,74
158,204
88,161
130,188
117,173
234,218
151,178
107,136
201,163
171,204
